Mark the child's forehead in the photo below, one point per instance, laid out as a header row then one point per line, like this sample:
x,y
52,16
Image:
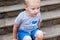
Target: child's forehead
x,y
34,5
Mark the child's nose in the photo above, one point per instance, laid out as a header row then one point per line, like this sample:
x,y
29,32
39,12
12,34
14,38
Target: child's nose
x,y
36,11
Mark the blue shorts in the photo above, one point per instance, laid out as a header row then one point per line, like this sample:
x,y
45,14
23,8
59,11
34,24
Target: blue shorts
x,y
21,34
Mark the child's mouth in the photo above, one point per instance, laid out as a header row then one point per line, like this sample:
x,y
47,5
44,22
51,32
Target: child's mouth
x,y
35,14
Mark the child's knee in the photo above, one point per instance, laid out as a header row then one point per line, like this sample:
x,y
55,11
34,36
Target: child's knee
x,y
27,38
39,34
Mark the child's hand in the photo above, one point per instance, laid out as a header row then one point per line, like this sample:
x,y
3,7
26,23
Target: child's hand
x,y
44,33
15,39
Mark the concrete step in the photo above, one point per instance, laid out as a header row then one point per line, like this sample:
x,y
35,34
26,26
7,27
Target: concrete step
x,y
50,14
50,22
53,17
49,7
9,14
52,33
21,6
6,21
11,8
50,2
10,2
14,11
13,2
11,11
7,24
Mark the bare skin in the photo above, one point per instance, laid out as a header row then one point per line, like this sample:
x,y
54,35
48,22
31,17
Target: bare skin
x,y
15,27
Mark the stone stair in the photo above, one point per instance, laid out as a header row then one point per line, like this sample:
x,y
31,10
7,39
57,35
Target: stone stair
x,y
50,10
52,32
9,2
20,6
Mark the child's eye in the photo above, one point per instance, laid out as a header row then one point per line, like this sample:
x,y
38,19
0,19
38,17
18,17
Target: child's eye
x,y
38,8
33,8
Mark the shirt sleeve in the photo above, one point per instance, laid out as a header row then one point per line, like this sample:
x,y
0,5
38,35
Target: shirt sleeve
x,y
18,19
40,18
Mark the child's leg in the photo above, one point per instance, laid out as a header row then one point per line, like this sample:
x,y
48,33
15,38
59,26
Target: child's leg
x,y
23,35
37,34
27,38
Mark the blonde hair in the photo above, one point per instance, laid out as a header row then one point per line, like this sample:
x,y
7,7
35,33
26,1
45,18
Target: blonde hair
x,y
27,1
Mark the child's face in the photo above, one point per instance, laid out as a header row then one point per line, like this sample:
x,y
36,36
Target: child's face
x,y
33,8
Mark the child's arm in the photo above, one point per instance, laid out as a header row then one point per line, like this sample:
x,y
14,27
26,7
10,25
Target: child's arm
x,y
15,27
18,21
39,24
40,20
